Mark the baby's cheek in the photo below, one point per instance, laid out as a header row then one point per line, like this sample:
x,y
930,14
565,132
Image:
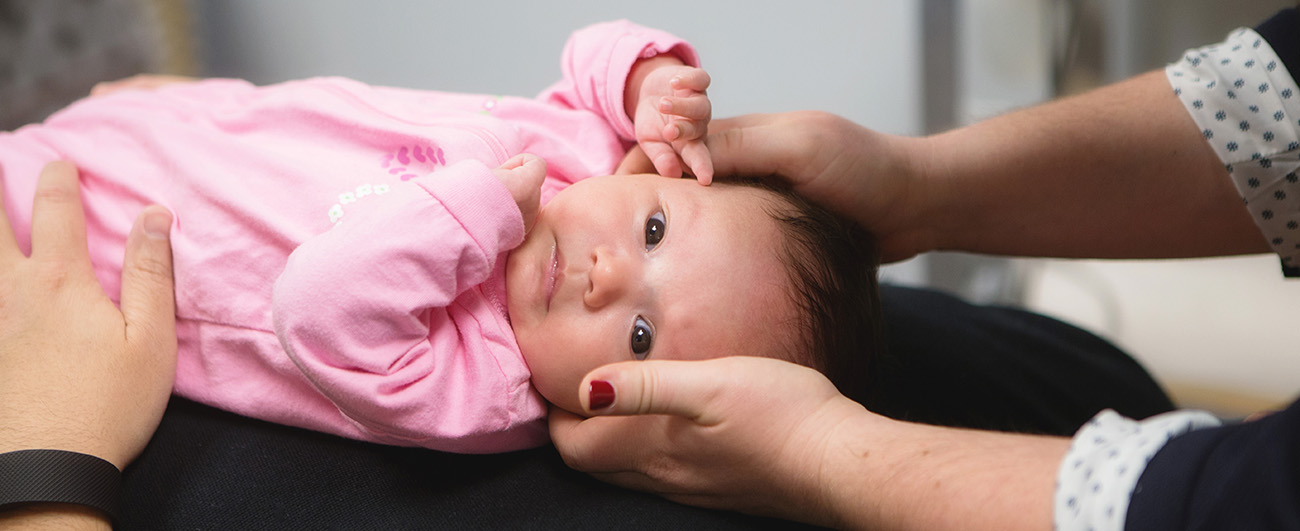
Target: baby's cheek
x,y
548,377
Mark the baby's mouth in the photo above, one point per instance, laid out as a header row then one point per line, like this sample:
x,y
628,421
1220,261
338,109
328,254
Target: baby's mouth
x,y
554,271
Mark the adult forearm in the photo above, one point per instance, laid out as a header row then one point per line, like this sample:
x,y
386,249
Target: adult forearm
x,y
896,475
1119,172
55,517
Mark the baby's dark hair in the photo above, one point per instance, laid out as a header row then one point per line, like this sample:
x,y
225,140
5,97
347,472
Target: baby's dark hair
x,y
832,265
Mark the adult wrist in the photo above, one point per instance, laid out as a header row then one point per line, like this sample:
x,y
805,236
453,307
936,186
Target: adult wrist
x,y
58,476
856,471
925,196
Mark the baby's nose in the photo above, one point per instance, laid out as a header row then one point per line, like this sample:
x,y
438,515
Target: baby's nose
x,y
609,278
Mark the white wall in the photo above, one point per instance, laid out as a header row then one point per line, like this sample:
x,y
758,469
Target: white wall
x,y
859,59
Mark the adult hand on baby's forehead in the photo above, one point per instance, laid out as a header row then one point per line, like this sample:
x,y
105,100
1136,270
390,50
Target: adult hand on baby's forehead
x,y
740,433
635,162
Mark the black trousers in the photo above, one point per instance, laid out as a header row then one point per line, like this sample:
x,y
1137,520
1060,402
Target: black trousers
x,y
948,362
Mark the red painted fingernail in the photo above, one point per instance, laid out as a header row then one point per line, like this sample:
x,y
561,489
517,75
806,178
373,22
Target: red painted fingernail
x,y
600,396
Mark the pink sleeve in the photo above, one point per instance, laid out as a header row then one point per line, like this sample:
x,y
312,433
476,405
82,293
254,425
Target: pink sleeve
x,y
597,61
362,309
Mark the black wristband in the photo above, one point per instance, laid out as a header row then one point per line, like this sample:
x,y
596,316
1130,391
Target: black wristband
x,y
42,476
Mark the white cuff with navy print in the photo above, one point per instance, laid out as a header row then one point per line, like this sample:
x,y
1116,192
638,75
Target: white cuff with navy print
x,y
1108,455
1248,108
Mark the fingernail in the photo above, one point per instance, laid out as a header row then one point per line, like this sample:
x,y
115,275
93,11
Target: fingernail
x,y
665,105
600,396
158,225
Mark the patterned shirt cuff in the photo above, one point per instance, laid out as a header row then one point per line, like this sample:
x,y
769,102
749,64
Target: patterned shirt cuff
x,y
1097,477
1248,108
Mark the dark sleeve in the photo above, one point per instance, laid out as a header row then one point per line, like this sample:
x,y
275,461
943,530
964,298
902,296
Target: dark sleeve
x,y
1243,476
1282,32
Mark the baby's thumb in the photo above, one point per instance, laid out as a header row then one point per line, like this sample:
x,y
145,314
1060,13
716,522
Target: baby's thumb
x,y
528,163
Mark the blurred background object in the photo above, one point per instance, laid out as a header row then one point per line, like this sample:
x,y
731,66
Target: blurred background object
x,y
1214,331
53,51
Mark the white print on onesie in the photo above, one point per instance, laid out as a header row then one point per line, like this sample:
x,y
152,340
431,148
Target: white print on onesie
x,y
405,162
352,196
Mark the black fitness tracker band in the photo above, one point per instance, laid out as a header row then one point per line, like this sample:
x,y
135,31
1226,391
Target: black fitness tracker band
x,y
40,476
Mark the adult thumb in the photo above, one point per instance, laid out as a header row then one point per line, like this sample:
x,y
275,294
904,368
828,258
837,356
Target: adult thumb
x,y
688,389
148,293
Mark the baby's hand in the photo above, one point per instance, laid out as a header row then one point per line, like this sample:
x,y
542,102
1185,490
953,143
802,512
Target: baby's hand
x,y
138,82
672,119
523,175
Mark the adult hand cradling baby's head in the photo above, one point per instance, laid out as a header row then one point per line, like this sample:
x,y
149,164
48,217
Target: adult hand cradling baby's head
x,y
702,432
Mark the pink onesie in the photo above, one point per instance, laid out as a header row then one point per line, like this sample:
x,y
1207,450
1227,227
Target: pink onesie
x,y
358,229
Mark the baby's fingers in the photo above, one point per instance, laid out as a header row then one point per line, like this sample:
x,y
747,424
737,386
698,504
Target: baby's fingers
x,y
664,158
696,107
691,79
696,157
685,130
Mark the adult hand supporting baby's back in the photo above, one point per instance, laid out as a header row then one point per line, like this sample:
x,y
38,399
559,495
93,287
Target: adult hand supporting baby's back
x,y
78,373
740,433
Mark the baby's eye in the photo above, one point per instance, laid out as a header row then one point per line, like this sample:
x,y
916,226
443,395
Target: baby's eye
x,y
642,336
655,227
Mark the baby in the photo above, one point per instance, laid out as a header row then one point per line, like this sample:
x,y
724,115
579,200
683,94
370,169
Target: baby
x,y
437,266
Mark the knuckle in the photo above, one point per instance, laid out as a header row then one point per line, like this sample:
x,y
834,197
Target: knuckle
x,y
56,194
53,276
732,140
650,391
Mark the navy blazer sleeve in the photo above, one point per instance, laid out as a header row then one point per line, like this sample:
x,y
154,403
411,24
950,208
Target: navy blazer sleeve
x,y
1242,476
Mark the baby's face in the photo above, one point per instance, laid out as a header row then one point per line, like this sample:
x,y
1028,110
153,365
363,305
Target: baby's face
x,y
636,267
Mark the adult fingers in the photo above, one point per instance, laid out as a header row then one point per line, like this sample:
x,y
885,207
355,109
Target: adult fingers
x,y
58,221
657,387
784,144
747,147
9,250
635,161
644,389
148,296
599,445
